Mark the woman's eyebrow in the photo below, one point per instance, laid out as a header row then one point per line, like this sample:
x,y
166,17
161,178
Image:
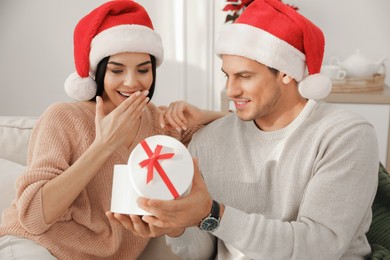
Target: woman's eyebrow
x,y
115,63
144,63
120,64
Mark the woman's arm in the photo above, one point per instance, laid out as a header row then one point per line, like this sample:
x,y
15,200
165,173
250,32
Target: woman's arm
x,y
59,193
182,115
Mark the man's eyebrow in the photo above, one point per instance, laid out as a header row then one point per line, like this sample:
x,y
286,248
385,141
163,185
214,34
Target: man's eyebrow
x,y
239,72
243,72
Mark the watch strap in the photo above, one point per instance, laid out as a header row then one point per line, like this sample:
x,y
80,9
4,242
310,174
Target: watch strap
x,y
211,222
215,209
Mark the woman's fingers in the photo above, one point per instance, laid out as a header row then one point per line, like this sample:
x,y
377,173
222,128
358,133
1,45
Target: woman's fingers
x,y
175,115
136,225
112,129
140,228
125,221
99,107
112,218
161,119
131,102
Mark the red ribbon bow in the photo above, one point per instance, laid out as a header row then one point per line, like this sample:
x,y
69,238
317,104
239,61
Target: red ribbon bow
x,y
152,162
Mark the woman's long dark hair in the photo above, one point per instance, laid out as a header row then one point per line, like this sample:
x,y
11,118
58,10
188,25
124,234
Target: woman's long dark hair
x,y
101,72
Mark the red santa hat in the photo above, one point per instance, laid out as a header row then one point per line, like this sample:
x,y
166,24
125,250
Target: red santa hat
x,y
114,27
277,36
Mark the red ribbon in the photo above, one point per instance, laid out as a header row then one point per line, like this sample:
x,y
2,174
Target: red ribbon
x,y
152,162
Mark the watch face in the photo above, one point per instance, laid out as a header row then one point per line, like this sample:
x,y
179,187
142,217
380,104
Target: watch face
x,y
209,224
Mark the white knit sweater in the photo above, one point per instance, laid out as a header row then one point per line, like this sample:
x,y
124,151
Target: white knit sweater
x,y
302,192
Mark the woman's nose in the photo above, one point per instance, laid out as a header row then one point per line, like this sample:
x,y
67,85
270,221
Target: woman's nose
x,y
130,80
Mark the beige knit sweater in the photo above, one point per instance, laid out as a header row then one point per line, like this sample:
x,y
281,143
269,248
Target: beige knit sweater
x,y
60,137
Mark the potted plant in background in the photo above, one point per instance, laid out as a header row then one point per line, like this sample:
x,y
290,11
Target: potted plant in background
x,y
236,7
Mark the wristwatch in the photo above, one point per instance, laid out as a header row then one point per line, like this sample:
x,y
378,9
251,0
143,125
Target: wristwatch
x,y
211,222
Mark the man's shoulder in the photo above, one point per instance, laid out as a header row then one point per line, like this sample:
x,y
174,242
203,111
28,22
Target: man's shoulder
x,y
222,122
217,128
330,111
329,119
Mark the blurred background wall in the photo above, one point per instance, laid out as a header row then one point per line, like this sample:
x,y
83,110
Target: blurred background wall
x,y
36,51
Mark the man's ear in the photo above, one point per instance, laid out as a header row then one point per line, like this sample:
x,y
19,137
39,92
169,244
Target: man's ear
x,y
286,79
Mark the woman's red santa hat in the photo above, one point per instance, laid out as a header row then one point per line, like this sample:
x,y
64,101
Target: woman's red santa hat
x,y
277,36
114,27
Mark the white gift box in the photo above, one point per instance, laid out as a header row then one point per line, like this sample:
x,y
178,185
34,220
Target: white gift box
x,y
159,167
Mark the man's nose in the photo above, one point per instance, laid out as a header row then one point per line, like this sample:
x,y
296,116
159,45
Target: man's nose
x,y
232,89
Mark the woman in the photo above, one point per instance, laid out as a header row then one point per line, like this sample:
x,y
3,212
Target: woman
x,y
59,211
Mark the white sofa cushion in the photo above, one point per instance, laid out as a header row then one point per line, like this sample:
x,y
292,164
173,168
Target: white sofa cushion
x,y
14,137
9,171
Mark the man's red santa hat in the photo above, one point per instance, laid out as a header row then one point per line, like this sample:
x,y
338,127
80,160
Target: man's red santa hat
x,y
274,34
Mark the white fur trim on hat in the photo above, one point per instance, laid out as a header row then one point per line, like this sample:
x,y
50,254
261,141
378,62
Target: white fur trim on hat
x,y
315,86
125,38
80,89
256,44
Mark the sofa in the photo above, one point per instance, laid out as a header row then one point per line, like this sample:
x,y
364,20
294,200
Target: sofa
x,y
14,137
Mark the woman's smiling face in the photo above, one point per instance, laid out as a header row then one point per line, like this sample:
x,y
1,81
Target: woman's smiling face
x,y
126,74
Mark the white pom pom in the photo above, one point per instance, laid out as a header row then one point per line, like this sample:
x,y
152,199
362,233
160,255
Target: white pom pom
x,y
315,86
81,89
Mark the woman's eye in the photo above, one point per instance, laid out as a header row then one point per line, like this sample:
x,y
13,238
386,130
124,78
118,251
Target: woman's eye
x,y
143,71
116,71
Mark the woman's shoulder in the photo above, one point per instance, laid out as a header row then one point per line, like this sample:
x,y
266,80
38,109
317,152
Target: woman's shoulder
x,y
72,108
68,113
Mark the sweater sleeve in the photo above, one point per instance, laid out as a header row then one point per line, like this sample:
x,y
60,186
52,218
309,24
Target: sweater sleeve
x,y
336,202
49,155
193,244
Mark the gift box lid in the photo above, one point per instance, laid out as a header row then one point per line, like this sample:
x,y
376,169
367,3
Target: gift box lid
x,y
161,167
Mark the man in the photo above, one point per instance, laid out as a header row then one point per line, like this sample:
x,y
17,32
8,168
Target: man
x,y
286,176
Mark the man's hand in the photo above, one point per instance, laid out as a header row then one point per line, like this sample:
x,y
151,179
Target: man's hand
x,y
183,212
169,217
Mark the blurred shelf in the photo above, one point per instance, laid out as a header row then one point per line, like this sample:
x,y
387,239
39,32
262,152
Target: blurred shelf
x,y
368,97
